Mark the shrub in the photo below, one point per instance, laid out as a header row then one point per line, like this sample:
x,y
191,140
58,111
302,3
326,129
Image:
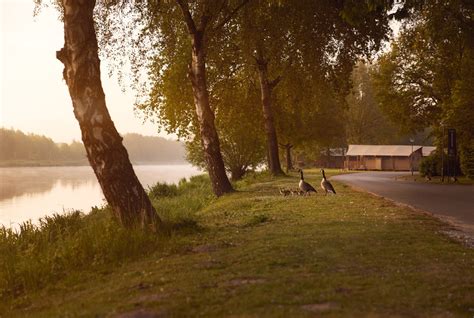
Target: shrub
x,y
467,160
162,190
431,165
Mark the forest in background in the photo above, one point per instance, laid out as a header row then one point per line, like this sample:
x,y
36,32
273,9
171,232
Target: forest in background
x,y
20,149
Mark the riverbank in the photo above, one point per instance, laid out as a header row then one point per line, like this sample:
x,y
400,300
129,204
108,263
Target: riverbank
x,y
257,253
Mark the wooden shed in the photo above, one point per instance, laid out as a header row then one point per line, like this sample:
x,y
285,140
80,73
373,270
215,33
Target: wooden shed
x,y
383,157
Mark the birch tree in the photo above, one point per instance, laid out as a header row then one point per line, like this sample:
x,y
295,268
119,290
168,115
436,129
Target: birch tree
x,y
105,151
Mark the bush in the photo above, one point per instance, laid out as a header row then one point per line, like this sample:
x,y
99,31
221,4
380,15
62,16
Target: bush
x,y
162,190
431,165
467,160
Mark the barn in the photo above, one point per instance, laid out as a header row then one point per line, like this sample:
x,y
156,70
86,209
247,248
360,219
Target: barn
x,y
384,157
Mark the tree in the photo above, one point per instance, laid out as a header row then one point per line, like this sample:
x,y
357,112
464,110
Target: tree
x,y
426,78
238,123
105,151
365,122
312,43
187,32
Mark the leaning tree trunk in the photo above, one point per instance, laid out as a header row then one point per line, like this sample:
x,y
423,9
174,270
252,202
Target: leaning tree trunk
x,y
272,140
209,138
105,151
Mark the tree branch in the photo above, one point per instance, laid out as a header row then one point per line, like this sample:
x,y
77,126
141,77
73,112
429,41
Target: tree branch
x,y
205,18
230,15
183,4
275,82
287,145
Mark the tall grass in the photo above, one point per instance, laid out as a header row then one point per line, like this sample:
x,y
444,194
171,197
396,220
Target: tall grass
x,y
37,254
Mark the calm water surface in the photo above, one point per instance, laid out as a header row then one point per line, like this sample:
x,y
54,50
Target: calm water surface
x,y
33,192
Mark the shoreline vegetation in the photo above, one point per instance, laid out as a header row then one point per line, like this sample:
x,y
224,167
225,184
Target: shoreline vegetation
x,y
250,253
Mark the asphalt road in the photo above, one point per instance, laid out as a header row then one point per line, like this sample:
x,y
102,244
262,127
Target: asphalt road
x,y
452,202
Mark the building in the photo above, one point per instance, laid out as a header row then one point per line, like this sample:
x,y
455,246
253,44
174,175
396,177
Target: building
x,y
385,157
427,150
331,158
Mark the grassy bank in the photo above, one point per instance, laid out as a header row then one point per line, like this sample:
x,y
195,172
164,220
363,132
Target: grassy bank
x,y
437,180
251,253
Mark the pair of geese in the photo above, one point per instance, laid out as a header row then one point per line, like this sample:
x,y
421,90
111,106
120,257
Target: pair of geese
x,y
307,188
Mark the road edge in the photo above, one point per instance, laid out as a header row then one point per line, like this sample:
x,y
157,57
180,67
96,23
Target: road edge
x,y
459,232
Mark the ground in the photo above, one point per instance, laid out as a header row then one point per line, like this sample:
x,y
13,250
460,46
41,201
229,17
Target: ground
x,y
257,253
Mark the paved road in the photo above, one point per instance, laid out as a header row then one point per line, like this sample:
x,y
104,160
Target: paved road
x,y
454,202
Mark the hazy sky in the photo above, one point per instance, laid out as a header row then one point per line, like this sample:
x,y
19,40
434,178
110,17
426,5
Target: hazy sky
x,y
33,96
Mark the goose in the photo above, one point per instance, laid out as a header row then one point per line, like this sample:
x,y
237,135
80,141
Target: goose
x,y
296,191
326,185
284,192
305,187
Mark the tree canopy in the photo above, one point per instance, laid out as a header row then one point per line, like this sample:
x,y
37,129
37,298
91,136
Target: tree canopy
x,y
425,80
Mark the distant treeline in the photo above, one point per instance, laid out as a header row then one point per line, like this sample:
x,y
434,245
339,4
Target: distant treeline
x,y
143,149
18,148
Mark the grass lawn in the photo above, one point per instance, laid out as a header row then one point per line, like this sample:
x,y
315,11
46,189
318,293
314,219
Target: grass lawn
x,y
256,253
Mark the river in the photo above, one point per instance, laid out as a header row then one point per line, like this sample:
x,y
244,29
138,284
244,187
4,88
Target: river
x,y
33,192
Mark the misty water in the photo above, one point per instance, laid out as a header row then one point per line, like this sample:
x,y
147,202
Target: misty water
x,y
33,192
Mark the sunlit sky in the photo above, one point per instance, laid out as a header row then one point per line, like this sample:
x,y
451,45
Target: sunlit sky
x,y
33,96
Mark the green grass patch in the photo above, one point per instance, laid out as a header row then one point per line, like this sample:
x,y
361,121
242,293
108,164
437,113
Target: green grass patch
x,y
437,180
257,253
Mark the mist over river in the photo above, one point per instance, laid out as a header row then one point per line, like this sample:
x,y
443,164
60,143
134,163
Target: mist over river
x,y
33,192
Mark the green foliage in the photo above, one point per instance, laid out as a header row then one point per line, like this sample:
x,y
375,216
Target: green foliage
x,y
467,160
314,62
240,128
162,190
39,254
365,122
431,165
310,45
426,78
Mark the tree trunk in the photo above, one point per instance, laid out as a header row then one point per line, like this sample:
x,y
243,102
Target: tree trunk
x,y
105,151
209,138
272,140
237,173
289,163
